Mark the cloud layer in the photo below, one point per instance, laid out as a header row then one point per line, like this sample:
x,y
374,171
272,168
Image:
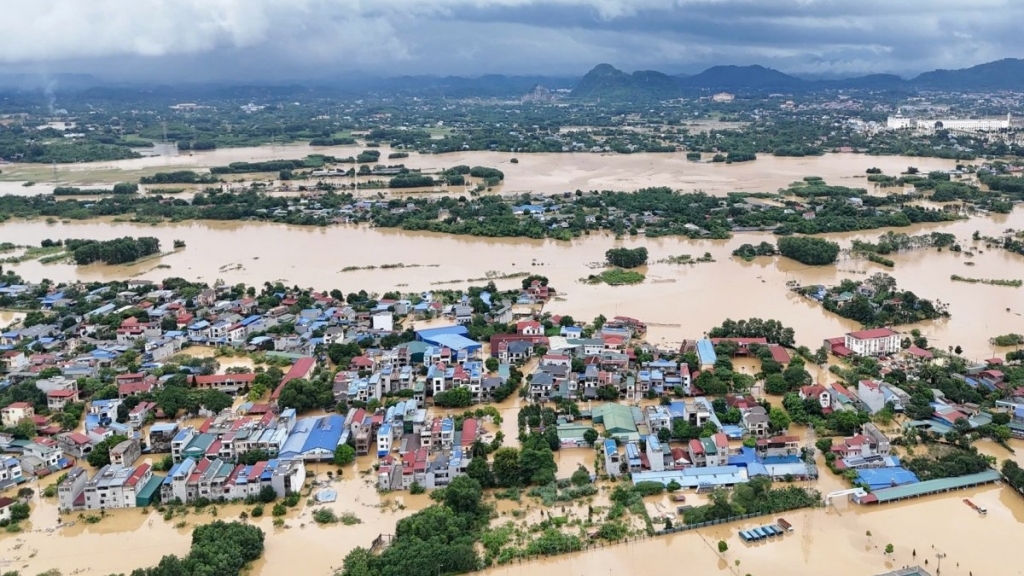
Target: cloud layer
x,y
291,39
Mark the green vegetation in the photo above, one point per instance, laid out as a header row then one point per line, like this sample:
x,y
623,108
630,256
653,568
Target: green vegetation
x,y
616,277
876,301
810,251
1011,339
749,251
1014,475
881,260
442,537
120,188
306,395
626,257
686,259
947,463
754,497
100,455
771,330
989,281
344,455
119,251
179,177
217,548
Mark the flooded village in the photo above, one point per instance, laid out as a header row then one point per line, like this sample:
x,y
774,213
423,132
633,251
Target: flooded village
x,y
334,377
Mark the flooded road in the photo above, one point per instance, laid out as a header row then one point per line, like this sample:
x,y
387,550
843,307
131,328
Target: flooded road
x,y
832,541
677,301
541,173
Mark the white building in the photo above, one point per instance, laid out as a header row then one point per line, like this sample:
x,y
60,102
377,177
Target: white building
x,y
875,342
384,321
871,394
900,122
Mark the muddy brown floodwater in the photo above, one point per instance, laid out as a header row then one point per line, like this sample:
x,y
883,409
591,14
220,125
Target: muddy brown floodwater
x,y
677,301
541,173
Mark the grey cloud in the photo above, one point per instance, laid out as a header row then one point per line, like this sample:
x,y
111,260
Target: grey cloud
x,y
291,39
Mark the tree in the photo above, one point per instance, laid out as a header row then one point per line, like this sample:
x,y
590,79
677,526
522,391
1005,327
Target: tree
x,y
581,477
776,384
844,422
590,436
480,471
888,548
19,512
808,250
458,397
267,494
252,457
100,455
664,435
463,495
491,364
506,467
626,257
344,455
305,395
215,400
778,420
722,546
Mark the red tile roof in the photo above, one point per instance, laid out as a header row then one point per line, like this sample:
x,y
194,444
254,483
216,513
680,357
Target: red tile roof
x,y
221,378
873,333
300,369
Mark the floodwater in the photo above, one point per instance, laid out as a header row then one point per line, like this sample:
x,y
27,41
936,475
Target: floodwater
x,y
677,301
540,173
825,541
8,317
127,539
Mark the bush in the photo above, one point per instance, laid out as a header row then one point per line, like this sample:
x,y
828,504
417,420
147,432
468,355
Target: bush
x,y
279,509
257,511
416,488
810,251
325,516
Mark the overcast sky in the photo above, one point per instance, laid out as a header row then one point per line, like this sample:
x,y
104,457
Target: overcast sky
x,y
298,39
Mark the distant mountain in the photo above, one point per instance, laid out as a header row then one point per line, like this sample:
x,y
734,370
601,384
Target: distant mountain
x,y
869,82
1006,74
743,77
607,82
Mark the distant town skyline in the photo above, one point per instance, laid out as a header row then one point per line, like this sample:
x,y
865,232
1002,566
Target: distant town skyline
x,y
192,40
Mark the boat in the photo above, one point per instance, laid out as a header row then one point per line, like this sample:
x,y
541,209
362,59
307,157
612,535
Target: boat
x,y
785,525
979,509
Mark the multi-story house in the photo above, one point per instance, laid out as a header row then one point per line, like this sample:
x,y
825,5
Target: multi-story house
x,y
874,342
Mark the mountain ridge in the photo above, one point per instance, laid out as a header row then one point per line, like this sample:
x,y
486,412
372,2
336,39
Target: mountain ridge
x,y
1005,74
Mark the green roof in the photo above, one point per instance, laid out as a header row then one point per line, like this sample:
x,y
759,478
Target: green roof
x,y
617,419
570,431
145,496
934,486
199,444
415,346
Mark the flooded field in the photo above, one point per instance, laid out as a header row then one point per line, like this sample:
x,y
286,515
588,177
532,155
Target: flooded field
x,y
677,301
849,540
542,173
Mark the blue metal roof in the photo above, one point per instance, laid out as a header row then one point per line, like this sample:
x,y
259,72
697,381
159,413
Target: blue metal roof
x,y
429,333
706,352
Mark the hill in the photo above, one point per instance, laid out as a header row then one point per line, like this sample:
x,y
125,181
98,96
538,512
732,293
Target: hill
x,y
607,82
743,77
1006,74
